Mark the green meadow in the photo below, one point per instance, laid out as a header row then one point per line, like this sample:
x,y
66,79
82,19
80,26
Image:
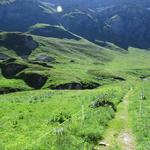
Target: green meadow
x,y
46,119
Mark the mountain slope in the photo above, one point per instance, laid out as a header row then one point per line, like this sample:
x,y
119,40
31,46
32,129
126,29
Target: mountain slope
x,y
52,31
67,63
70,64
123,23
65,41
19,15
47,60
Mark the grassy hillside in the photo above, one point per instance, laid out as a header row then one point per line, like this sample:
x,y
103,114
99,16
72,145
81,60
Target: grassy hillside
x,y
60,60
139,110
38,117
68,120
68,61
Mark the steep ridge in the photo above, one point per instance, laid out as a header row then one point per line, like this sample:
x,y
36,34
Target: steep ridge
x,y
19,15
54,31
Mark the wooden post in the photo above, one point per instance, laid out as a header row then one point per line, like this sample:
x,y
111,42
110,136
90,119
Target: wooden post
x,y
83,115
84,147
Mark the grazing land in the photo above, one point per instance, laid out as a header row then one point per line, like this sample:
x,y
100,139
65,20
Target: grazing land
x,y
74,75
75,118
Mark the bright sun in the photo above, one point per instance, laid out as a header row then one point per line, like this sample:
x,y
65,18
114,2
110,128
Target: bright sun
x,y
59,9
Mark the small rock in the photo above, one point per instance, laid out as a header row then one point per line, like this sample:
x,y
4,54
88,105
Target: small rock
x,y
103,103
103,144
9,70
75,86
45,58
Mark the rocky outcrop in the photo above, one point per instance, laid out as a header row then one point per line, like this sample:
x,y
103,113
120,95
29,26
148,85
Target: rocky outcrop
x,y
45,58
10,70
34,80
103,103
4,56
41,64
124,25
81,23
6,90
119,78
75,86
22,44
14,69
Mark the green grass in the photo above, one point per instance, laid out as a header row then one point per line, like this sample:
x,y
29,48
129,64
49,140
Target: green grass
x,y
133,59
140,110
26,116
76,61
33,112
13,83
73,59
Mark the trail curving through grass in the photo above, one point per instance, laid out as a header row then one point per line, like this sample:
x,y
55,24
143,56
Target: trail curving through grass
x,y
118,135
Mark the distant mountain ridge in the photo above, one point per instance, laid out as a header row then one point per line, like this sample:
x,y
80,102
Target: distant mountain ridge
x,y
122,22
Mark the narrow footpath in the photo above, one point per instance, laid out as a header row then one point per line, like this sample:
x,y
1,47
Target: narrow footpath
x,y
118,135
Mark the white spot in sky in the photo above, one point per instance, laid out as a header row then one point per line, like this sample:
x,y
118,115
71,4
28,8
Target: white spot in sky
x,y
59,9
